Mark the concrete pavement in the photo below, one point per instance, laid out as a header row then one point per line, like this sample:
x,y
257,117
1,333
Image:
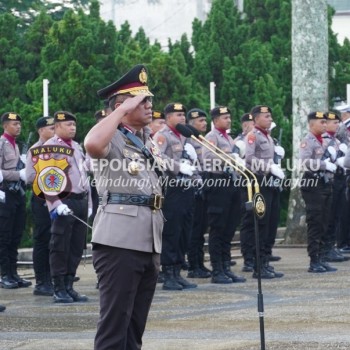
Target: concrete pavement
x,y
302,311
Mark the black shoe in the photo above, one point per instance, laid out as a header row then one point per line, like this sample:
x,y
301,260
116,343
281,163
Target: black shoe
x,y
184,266
198,273
203,268
272,270
182,281
248,266
76,279
345,250
77,297
328,267
43,289
61,296
333,256
2,308
316,267
220,278
233,263
160,278
8,282
22,283
264,274
230,274
170,282
274,258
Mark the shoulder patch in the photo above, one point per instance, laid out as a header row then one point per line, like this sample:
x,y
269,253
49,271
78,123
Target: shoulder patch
x,y
160,139
251,138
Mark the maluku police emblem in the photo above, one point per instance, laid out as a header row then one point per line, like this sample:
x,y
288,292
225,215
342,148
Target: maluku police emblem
x,y
51,180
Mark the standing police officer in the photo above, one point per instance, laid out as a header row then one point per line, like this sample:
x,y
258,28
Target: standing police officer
x,y
12,205
41,217
198,119
316,191
223,199
259,156
128,224
179,197
68,234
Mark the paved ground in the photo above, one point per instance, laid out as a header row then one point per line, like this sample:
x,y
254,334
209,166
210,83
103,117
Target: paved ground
x,y
302,311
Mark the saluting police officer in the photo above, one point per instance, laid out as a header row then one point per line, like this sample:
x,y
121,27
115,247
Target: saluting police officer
x,y
179,197
41,217
259,156
197,118
12,203
223,198
316,190
68,234
128,224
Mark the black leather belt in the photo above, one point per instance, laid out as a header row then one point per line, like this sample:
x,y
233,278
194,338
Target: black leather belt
x,y
154,201
78,196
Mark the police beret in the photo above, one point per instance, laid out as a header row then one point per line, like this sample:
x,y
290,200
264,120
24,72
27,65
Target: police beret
x,y
133,82
174,107
195,113
62,116
100,114
316,115
220,110
157,115
10,116
246,117
44,121
332,116
260,109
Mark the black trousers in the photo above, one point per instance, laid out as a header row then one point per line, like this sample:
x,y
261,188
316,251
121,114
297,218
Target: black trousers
x,y
318,201
337,219
200,224
267,226
224,202
41,239
178,212
127,281
12,223
68,238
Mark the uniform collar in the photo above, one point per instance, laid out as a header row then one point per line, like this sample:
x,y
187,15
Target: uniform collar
x,y
318,138
10,139
223,132
175,131
265,132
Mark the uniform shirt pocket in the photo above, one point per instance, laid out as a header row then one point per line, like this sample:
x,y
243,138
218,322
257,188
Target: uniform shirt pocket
x,y
122,209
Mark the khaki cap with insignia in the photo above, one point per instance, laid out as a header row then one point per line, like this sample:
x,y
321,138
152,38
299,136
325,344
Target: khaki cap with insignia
x,y
133,83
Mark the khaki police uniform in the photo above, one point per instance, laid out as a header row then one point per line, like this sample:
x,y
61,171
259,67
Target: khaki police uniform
x,y
179,200
12,210
68,235
127,228
317,194
223,196
259,157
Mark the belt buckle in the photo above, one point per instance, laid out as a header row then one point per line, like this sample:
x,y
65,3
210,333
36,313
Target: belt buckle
x,y
158,201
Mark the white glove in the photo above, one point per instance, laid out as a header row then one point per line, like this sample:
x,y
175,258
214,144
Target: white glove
x,y
343,147
23,158
2,196
1,176
330,166
191,151
332,152
89,212
22,175
186,168
277,171
340,162
279,150
239,160
240,144
63,209
273,125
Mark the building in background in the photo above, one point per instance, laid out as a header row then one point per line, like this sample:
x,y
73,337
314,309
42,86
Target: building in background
x,y
164,19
